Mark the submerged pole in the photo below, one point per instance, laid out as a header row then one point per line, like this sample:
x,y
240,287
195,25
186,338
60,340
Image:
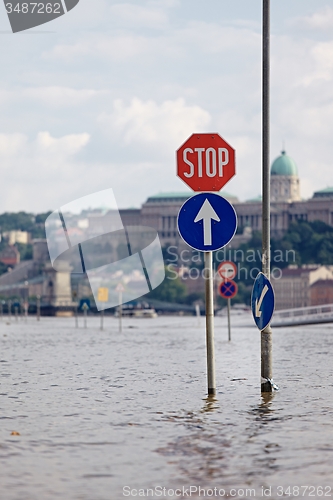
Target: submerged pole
x,y
102,320
229,326
9,311
38,307
120,310
210,323
266,334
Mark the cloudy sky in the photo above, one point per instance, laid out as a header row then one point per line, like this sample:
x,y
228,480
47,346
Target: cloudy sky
x,y
103,96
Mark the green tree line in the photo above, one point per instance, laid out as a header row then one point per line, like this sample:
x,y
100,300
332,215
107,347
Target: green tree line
x,y
303,243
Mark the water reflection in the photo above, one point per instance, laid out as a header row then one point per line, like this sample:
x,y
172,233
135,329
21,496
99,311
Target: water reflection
x,y
265,407
211,404
202,453
214,448
115,410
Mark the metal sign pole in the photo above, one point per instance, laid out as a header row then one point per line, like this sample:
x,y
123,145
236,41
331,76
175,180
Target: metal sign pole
x,y
229,326
120,310
85,310
38,308
102,319
76,318
266,334
197,312
210,323
9,311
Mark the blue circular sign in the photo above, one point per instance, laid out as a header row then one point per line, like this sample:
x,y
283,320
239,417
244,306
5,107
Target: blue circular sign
x,y
228,289
207,222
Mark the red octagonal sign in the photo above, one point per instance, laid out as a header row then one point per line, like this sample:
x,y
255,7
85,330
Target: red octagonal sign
x,y
206,162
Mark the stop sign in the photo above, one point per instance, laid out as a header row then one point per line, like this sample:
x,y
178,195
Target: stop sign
x,y
206,162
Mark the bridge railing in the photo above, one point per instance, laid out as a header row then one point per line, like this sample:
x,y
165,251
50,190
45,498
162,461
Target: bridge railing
x,y
312,314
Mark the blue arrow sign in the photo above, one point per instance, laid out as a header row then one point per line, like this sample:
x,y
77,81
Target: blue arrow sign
x,y
207,222
262,301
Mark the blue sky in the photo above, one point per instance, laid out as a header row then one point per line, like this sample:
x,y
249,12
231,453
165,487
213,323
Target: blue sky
x,y
103,96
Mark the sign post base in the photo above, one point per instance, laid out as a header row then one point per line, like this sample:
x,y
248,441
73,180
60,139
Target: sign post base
x,y
210,323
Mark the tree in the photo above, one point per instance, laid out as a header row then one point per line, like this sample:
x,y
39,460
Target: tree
x,y
170,290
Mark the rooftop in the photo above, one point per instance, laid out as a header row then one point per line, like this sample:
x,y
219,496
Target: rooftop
x,y
258,199
284,165
298,271
322,282
182,196
324,193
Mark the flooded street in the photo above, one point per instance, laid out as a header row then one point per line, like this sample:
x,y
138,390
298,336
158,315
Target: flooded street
x,y
101,415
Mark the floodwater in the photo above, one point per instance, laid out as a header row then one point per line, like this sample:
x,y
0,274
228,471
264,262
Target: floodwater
x,y
103,415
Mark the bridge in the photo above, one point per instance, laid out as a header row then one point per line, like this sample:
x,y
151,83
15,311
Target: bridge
x,y
303,316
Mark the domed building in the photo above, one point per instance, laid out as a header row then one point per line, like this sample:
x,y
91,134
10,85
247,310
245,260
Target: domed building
x,y
160,211
286,203
284,179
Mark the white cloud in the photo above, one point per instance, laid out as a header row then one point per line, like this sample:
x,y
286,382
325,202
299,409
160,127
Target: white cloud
x,y
323,56
320,20
36,173
137,16
56,96
59,149
214,38
164,3
192,39
117,48
146,122
200,70
10,146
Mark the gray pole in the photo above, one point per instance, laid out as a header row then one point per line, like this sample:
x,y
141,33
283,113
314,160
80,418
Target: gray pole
x,y
102,319
210,323
9,310
197,312
266,335
76,319
120,310
85,309
38,307
229,327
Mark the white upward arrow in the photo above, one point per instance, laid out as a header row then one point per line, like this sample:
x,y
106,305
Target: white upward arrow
x,y
207,214
258,304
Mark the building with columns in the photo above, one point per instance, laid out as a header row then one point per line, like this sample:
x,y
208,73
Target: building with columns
x,y
160,211
286,202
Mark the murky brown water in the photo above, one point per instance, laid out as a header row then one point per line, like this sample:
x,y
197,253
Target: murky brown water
x,y
99,411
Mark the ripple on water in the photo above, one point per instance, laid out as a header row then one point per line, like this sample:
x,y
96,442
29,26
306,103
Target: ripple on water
x,y
101,410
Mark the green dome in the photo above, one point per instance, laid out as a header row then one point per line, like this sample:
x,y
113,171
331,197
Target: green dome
x,y
284,165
